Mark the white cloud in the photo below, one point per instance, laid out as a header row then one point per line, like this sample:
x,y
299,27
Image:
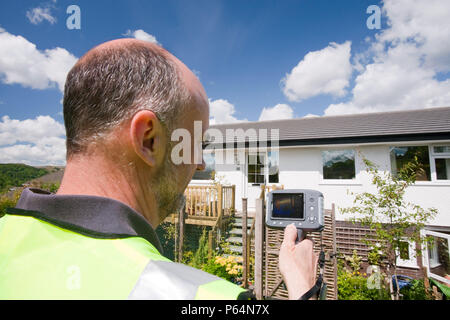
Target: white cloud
x,y
38,141
423,22
141,35
278,112
399,70
39,14
326,71
222,111
311,115
22,63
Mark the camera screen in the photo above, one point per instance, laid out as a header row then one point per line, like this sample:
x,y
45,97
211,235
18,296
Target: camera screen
x,y
288,206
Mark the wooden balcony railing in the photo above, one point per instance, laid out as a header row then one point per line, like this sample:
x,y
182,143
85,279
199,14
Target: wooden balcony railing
x,y
211,201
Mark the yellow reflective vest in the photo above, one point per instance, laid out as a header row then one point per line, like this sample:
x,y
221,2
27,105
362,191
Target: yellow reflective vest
x,y
69,252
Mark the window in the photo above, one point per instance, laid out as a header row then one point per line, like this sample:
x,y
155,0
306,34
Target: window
x,y
403,249
338,164
440,157
406,254
433,258
401,156
256,168
209,172
437,259
273,157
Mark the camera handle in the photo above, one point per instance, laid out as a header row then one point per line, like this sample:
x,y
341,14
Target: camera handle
x,y
301,235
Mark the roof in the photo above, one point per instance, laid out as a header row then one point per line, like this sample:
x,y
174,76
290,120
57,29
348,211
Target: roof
x,y
411,125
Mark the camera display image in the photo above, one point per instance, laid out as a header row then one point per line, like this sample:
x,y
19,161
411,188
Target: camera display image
x,y
288,206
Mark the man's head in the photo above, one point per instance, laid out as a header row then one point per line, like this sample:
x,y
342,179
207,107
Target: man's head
x,y
122,101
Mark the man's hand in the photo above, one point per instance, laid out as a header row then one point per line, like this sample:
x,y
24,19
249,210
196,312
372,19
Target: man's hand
x,y
298,263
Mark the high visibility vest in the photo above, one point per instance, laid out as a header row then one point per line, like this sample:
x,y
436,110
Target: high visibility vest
x,y
39,260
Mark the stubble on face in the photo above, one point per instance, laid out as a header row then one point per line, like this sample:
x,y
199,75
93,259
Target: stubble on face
x,y
166,188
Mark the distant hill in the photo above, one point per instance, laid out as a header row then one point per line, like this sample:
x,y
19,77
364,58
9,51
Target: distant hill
x,y
54,176
14,175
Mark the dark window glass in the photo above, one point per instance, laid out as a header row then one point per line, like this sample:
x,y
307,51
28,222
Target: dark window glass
x,y
401,156
441,149
404,250
338,164
442,169
255,168
273,166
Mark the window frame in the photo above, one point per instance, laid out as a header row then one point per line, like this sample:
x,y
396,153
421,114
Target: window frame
x,y
353,180
433,156
265,166
418,182
411,262
425,260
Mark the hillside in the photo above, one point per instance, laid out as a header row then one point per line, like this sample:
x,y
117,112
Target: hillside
x,y
14,175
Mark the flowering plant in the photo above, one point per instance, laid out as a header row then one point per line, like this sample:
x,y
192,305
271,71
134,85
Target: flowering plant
x,y
228,268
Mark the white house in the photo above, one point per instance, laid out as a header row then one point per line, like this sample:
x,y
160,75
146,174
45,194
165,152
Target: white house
x,y
325,154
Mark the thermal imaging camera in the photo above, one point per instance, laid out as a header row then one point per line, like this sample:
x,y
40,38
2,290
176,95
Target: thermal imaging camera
x,y
302,207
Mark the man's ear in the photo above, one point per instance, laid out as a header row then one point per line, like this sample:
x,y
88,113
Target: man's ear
x,y
147,137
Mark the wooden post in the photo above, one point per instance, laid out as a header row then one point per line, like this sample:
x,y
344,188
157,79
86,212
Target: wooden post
x,y
244,243
219,200
177,231
181,236
259,247
233,199
334,248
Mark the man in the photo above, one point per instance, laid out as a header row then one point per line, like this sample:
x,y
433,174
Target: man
x,y
95,238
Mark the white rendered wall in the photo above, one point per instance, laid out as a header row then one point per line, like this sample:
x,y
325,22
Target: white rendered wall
x,y
301,168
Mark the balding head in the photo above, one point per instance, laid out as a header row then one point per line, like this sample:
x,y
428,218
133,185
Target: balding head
x,y
115,80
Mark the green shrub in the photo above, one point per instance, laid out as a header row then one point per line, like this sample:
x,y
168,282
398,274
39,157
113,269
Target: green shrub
x,y
353,286
416,291
6,202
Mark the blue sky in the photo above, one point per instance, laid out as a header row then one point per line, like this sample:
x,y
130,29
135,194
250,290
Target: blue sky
x,y
294,58
241,49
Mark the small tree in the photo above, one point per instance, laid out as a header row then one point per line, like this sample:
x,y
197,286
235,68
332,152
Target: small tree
x,y
393,219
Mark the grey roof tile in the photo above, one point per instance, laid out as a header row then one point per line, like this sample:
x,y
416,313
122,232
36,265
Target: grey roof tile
x,y
423,121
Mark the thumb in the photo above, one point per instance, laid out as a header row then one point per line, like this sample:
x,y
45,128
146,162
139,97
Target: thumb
x,y
290,235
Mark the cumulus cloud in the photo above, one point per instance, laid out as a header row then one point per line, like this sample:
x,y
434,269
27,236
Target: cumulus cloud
x,y
326,71
141,35
222,111
22,63
278,112
39,14
400,69
38,141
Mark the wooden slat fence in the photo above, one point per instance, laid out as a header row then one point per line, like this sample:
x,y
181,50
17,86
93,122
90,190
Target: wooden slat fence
x,y
274,238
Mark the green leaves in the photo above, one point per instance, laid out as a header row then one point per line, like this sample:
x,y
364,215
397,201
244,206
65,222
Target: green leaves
x,y
387,212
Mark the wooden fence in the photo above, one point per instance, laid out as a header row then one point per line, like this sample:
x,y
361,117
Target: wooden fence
x,y
273,240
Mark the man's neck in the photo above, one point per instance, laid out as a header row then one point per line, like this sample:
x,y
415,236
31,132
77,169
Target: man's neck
x,y
96,177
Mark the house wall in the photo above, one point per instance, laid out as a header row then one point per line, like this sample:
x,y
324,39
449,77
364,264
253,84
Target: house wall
x,y
301,168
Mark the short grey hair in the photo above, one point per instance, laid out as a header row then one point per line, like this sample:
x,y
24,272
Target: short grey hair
x,y
108,86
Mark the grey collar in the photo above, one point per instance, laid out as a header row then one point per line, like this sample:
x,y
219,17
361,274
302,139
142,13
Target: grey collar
x,y
93,216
